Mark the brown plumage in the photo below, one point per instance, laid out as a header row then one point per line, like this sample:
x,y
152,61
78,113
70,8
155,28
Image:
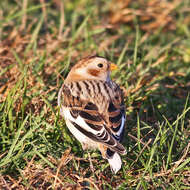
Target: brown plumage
x,y
93,108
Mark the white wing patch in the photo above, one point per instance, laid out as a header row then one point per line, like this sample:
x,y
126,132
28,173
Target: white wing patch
x,y
118,134
80,121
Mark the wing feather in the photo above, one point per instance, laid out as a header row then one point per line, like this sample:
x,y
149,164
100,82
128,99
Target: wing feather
x,y
85,113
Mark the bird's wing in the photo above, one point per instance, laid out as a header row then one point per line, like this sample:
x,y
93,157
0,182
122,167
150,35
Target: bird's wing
x,y
96,112
116,113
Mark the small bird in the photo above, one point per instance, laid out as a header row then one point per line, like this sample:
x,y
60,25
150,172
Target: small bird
x,y
93,108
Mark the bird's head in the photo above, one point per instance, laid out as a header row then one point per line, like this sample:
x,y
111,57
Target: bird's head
x,y
91,68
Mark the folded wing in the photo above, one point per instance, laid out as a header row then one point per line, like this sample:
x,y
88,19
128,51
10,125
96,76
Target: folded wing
x,y
84,113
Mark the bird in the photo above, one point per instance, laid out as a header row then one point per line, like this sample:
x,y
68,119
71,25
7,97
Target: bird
x,y
93,108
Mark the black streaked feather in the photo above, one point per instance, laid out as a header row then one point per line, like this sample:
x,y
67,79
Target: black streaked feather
x,y
95,127
101,135
85,132
88,116
74,113
105,137
87,86
116,118
99,90
78,86
106,88
116,129
110,153
91,106
111,107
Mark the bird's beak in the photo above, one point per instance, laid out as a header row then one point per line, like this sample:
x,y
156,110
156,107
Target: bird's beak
x,y
113,67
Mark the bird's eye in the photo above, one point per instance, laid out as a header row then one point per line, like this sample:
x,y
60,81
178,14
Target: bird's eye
x,y
100,65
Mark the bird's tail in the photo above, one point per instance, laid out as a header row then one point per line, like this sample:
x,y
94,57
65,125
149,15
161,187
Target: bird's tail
x,y
114,160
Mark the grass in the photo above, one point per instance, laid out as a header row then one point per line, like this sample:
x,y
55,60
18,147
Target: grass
x,y
41,41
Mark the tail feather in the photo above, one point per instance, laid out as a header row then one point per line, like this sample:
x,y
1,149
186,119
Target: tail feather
x,y
115,162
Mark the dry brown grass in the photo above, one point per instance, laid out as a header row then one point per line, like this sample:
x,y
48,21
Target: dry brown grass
x,y
151,14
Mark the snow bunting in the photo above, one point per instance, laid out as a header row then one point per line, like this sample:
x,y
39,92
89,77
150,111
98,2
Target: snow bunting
x,y
93,108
